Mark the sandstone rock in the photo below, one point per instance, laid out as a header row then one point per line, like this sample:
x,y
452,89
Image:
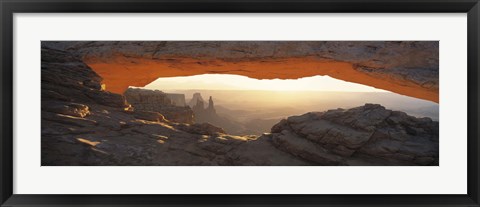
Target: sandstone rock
x,y
72,109
158,101
84,125
196,98
177,99
68,120
53,95
208,114
405,67
178,114
305,149
150,116
371,129
202,113
67,78
202,128
147,99
107,98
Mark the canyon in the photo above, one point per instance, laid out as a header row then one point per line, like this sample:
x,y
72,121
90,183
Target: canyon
x,y
173,107
85,123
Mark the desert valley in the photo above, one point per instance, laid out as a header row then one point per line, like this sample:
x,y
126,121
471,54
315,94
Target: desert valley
x,y
96,109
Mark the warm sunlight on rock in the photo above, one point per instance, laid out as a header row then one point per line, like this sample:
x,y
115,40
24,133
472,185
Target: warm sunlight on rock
x,y
120,73
239,103
88,142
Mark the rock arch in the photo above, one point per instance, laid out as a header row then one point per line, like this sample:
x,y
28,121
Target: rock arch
x,y
409,68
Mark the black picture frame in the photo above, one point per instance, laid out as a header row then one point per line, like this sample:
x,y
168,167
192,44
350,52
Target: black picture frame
x,y
9,7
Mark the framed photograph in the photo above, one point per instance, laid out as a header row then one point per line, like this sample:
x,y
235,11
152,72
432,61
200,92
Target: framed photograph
x,y
239,103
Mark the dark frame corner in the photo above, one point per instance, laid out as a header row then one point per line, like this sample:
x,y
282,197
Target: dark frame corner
x,y
9,7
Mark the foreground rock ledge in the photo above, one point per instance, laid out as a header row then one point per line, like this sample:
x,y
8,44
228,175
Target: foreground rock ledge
x,y
82,124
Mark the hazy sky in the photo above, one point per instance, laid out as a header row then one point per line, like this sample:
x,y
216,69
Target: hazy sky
x,y
238,82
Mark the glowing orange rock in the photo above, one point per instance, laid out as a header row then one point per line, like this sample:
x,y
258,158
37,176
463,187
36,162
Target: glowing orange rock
x,y
405,67
120,73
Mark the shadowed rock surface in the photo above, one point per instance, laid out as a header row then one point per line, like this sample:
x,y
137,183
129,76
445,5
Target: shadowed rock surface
x,y
369,130
82,124
408,67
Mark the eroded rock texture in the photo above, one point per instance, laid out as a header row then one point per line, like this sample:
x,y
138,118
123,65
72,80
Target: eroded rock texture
x,y
409,68
82,124
158,101
343,136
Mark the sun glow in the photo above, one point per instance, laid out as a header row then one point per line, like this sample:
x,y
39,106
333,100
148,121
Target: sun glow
x,y
238,82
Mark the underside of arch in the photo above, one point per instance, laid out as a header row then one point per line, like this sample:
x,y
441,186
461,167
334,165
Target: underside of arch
x,y
408,68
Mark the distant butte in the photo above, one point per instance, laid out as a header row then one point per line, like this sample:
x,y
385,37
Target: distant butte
x,y
408,68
